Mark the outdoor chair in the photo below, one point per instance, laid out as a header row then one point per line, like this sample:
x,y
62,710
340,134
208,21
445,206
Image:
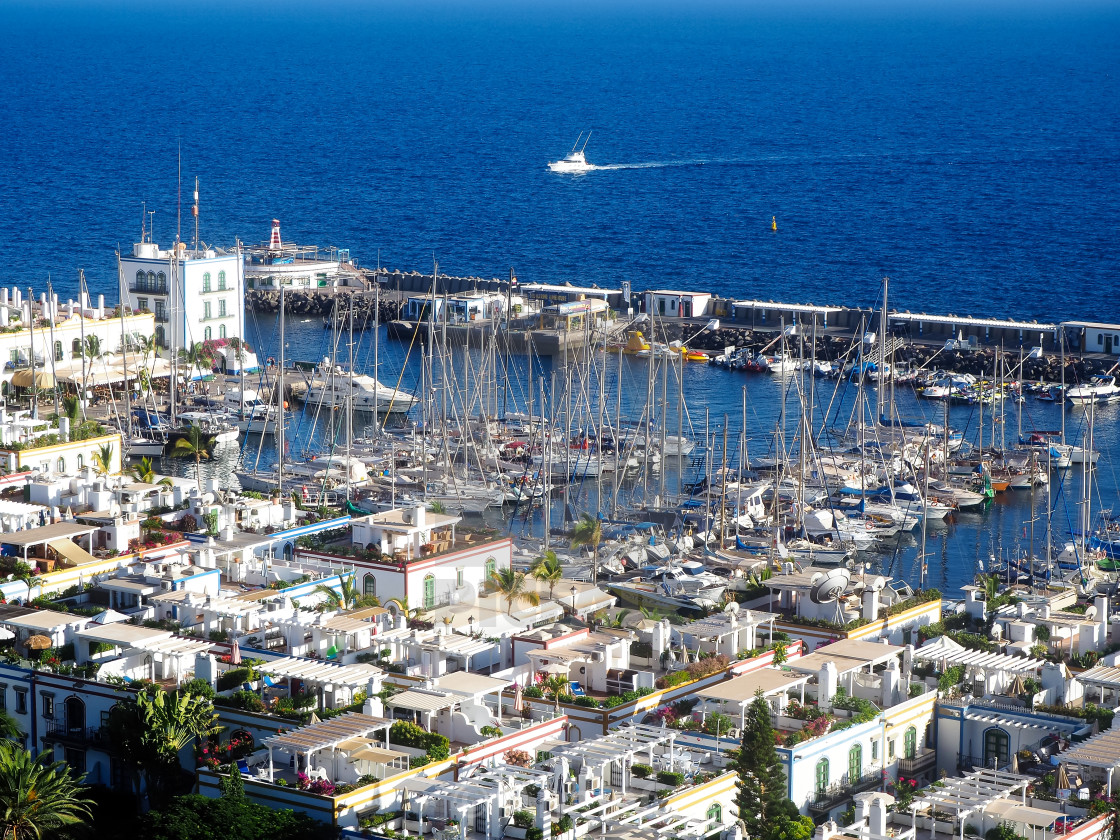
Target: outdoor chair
x,y
577,689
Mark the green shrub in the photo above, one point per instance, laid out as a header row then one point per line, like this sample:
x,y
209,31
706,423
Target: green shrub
x,y
587,702
523,818
534,834
233,678
641,770
198,688
248,701
670,777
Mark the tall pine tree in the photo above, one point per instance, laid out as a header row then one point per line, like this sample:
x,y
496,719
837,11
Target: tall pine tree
x,y
761,799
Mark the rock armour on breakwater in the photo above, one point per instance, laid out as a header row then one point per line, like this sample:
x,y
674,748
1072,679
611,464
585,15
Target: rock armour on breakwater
x,y
321,303
832,347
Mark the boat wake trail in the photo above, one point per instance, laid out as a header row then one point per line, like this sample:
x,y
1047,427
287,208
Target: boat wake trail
x,y
653,164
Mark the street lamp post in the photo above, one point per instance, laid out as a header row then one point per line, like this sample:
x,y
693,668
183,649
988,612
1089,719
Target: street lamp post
x,y
573,591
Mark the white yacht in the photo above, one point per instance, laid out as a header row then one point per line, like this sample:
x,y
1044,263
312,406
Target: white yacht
x,y
249,413
575,162
1100,389
335,386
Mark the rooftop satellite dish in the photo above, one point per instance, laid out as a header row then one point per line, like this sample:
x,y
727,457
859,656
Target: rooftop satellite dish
x,y
1090,612
732,607
997,631
830,587
878,584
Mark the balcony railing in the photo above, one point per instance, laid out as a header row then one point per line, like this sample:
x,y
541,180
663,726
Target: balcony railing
x,y
841,792
145,289
59,731
913,766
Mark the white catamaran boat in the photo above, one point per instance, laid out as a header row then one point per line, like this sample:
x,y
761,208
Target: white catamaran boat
x,y
575,162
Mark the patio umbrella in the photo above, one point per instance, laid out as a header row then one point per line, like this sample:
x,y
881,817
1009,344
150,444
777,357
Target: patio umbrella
x,y
1015,763
38,642
1061,779
518,699
1017,686
235,654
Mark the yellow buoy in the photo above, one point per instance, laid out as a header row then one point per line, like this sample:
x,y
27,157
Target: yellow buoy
x,y
773,223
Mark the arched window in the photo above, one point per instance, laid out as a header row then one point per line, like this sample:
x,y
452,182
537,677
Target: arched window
x,y
151,280
161,282
206,334
206,282
139,280
160,340
491,567
429,592
369,585
61,465
822,776
81,462
221,281
715,813
222,331
58,351
996,748
855,764
287,552
910,743
76,347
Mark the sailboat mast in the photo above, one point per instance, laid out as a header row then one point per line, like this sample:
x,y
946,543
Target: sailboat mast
x,y
31,353
376,339
127,390
280,435
82,331
350,401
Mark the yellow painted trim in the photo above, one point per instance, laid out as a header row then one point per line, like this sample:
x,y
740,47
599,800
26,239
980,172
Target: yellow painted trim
x,y
726,780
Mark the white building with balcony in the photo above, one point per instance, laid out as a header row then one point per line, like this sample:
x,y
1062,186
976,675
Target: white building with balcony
x,y
195,295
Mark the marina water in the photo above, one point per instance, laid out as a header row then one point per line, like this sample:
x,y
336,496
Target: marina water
x,y
970,155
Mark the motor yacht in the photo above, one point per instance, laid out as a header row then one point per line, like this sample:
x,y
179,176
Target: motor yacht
x,y
575,162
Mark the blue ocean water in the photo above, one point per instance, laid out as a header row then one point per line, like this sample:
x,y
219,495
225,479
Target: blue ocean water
x,y
972,155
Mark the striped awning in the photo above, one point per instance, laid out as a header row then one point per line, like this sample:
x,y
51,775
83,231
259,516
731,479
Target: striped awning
x,y
1007,721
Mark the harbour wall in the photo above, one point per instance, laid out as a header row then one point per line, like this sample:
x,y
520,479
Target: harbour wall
x,y
752,324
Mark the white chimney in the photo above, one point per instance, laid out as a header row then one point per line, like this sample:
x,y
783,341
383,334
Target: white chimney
x,y
421,516
870,603
877,818
1101,603
826,685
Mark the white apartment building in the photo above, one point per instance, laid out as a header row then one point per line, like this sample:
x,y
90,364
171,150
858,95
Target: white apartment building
x,y
195,296
60,332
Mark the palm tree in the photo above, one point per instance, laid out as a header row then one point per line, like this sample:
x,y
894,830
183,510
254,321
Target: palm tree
x,y
196,444
589,531
36,797
151,730
346,597
437,507
511,586
555,685
9,726
91,347
103,459
548,570
145,473
71,408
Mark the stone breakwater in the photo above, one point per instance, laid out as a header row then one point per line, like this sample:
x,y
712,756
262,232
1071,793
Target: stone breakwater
x,y
830,346
322,303
979,362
